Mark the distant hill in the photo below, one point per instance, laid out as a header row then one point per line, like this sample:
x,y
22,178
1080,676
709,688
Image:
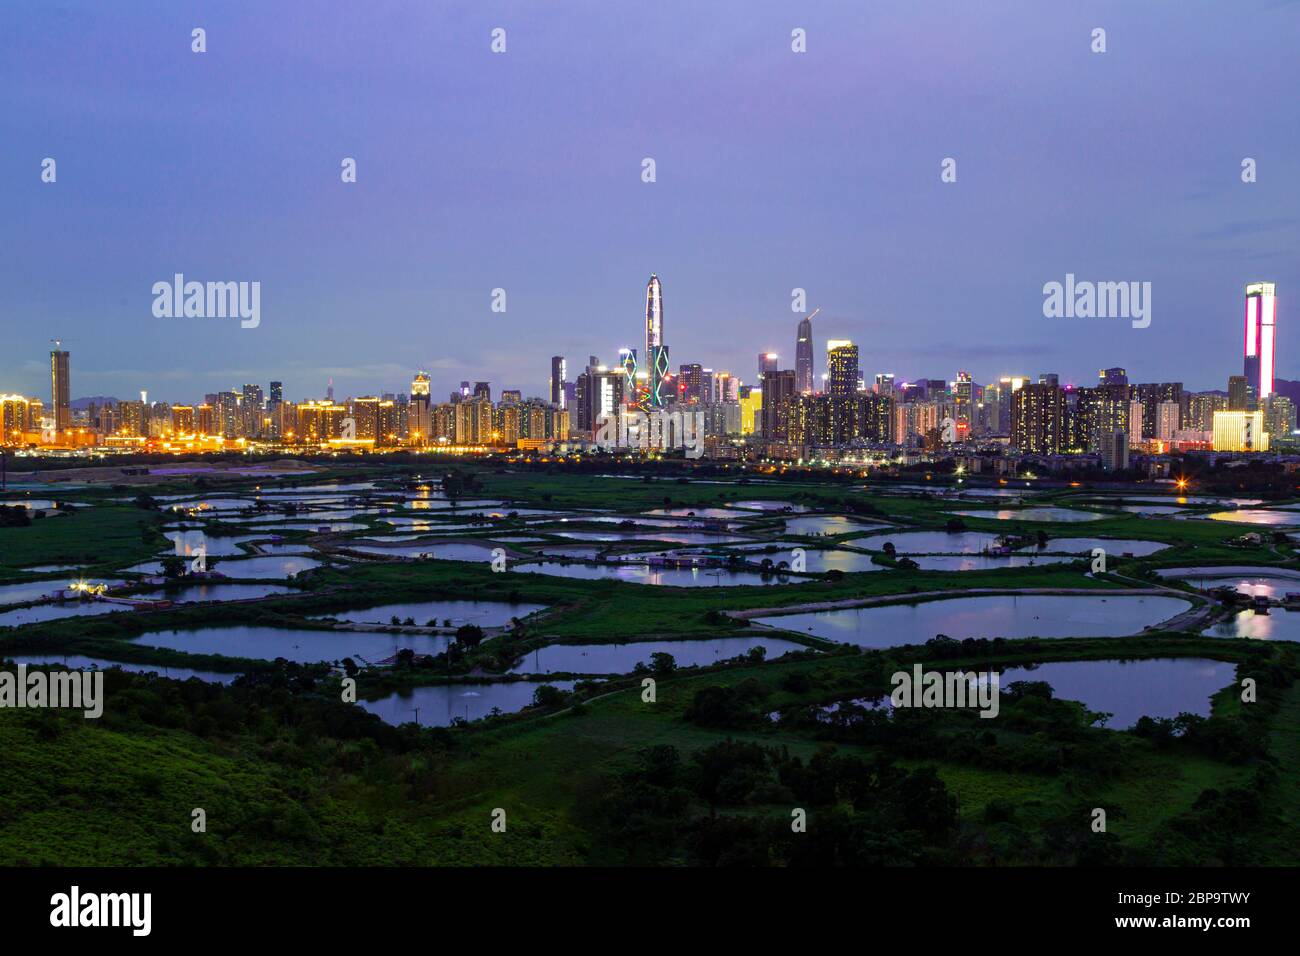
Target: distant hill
x,y
1287,388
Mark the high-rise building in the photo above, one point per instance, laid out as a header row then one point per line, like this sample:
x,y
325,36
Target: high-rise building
x,y
60,389
1279,416
419,423
1038,419
1113,376
690,383
318,422
1261,314
609,392
14,419
1238,393
1168,420
1113,446
251,411
778,391
228,417
803,357
1201,407
963,391
483,390
182,419
656,352
751,411
559,374
841,367
767,362
1239,431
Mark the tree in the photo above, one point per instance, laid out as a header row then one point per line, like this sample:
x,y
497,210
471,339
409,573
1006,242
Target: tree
x,y
662,664
469,635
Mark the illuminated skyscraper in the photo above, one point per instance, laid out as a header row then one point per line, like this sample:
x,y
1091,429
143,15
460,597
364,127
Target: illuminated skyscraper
x,y
1261,313
60,388
803,357
558,376
419,423
841,367
767,362
656,352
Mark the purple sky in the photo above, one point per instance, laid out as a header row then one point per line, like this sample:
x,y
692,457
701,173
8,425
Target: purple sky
x,y
523,171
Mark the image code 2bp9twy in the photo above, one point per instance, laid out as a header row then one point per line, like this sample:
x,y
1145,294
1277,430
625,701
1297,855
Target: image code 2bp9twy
x,y
554,437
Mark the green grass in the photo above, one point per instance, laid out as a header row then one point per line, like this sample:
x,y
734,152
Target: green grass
x,y
107,536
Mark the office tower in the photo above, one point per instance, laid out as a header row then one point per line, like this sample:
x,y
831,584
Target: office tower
x,y
1038,418
1113,376
656,352
803,357
1049,378
841,367
419,424
884,383
559,374
1238,393
329,392
60,389
751,411
609,392
767,362
1261,313
277,392
690,383
778,391
581,404
1239,431
483,390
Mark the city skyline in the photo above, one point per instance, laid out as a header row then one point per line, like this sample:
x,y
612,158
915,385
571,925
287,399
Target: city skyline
x,y
1259,364
1104,173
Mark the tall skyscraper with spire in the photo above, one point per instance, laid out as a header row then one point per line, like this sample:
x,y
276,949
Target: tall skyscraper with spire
x,y
1261,314
656,352
803,357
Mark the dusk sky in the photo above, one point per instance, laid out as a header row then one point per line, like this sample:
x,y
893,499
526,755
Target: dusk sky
x,y
522,171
